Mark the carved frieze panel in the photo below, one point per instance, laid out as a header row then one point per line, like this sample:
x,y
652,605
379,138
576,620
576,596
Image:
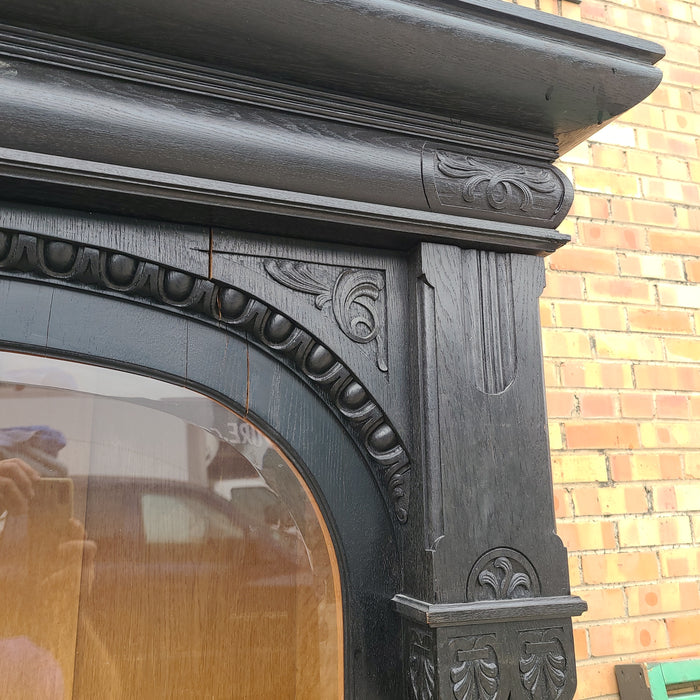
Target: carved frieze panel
x,y
543,663
116,273
475,673
502,574
421,664
483,187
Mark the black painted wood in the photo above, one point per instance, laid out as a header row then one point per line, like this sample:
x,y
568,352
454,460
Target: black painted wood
x,y
467,59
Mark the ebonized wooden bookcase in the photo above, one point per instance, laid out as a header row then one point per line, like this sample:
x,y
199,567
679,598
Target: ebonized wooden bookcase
x,y
358,193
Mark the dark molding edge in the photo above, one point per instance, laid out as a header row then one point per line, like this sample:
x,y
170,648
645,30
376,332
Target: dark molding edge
x,y
411,224
105,61
457,614
93,268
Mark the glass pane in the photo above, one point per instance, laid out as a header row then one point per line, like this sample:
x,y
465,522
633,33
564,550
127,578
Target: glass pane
x,y
153,544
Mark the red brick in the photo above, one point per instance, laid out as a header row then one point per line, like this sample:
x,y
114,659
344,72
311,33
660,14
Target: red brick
x,y
603,262
675,242
619,290
587,535
598,405
683,435
668,320
599,435
641,212
672,406
669,377
651,266
564,286
651,531
611,236
596,375
631,637
560,403
581,643
660,598
636,405
604,604
684,561
609,500
692,270
563,508
619,567
645,466
574,314
684,631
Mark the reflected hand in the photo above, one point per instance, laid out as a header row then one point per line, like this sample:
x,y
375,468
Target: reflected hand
x,y
75,557
16,485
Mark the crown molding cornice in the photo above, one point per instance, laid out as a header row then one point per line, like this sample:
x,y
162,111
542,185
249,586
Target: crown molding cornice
x,y
481,61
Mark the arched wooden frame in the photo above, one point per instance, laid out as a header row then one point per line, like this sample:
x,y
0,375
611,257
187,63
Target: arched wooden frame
x,y
94,328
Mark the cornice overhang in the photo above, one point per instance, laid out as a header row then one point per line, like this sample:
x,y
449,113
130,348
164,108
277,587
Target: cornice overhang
x,y
476,60
423,121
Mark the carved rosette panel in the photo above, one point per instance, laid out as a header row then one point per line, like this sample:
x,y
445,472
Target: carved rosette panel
x,y
356,297
421,665
89,267
502,574
492,315
475,673
463,183
543,665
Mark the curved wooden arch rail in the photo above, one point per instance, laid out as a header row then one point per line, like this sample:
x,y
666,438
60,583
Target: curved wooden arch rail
x,y
232,309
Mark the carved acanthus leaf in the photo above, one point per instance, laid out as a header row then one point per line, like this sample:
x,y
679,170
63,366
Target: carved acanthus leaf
x,y
542,664
475,673
356,297
501,183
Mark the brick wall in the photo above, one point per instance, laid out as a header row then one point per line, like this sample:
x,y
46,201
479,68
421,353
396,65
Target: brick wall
x,y
621,336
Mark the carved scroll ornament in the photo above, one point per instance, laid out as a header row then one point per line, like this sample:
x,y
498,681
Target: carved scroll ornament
x,y
494,188
355,295
87,266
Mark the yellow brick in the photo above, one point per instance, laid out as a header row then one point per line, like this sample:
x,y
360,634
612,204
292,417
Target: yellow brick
x,y
673,168
609,500
649,531
662,598
575,570
626,346
555,442
559,343
578,468
606,182
642,162
580,155
665,435
682,349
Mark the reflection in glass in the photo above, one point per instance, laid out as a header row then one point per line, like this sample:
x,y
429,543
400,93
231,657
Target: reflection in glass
x,y
154,545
